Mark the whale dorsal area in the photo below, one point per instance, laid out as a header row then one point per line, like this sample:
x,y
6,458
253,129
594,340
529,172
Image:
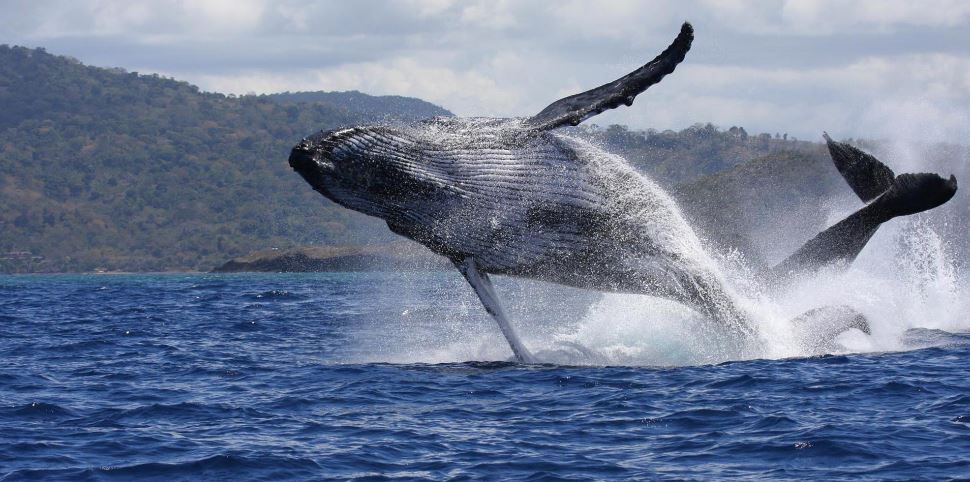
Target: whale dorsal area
x,y
576,108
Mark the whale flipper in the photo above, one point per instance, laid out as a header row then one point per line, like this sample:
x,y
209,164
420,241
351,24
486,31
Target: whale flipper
x,y
894,196
576,108
486,293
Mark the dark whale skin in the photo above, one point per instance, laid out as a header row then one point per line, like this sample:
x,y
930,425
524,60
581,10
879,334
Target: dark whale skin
x,y
521,202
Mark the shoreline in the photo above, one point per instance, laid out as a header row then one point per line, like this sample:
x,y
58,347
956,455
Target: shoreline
x,y
390,257
218,273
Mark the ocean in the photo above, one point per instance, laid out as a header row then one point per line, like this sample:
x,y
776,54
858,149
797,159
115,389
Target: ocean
x,y
381,376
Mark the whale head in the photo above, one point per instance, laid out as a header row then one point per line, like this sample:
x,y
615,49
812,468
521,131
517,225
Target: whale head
x,y
373,170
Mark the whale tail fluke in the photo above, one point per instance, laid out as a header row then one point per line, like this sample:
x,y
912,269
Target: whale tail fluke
x,y
915,193
890,195
866,175
900,195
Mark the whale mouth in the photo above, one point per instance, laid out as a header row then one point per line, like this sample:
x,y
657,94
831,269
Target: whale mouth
x,y
307,160
302,158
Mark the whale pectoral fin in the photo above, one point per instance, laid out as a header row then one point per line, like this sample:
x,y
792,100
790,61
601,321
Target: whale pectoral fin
x,y
576,108
486,293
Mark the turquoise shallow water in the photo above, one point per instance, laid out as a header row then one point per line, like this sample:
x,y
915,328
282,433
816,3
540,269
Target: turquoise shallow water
x,y
269,377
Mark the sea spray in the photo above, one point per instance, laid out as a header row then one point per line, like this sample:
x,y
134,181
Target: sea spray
x,y
904,280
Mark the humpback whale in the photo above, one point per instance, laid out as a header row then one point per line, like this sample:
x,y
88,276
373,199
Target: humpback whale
x,y
514,196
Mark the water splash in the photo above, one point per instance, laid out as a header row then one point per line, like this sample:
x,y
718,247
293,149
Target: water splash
x,y
905,284
905,281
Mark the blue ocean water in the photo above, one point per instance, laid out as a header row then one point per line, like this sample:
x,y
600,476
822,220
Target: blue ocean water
x,y
340,376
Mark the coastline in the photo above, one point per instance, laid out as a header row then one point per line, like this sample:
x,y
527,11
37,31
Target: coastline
x,y
394,256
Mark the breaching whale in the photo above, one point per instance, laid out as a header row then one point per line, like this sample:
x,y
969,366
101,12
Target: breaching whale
x,y
515,197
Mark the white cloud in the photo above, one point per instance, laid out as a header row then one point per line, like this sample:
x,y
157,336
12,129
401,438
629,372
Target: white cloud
x,y
825,17
238,16
885,96
461,90
861,67
627,20
916,96
144,21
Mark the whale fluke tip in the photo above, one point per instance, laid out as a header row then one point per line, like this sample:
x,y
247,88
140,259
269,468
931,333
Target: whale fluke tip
x,y
914,193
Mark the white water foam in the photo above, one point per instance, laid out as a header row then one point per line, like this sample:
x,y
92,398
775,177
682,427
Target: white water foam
x,y
904,280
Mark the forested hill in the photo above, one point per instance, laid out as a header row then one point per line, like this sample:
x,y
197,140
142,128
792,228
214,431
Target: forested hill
x,y
108,169
395,106
103,168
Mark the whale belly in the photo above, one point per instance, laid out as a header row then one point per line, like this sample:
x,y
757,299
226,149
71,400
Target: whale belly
x,y
556,209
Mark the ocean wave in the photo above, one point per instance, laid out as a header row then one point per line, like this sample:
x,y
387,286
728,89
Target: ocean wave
x,y
334,387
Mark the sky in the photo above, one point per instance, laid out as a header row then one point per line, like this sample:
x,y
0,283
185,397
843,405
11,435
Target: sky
x,y
862,68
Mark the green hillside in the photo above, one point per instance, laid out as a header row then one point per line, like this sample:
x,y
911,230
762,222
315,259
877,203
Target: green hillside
x,y
108,169
102,168
385,106
676,157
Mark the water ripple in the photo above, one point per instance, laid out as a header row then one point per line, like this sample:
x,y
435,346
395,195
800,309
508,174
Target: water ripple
x,y
271,377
